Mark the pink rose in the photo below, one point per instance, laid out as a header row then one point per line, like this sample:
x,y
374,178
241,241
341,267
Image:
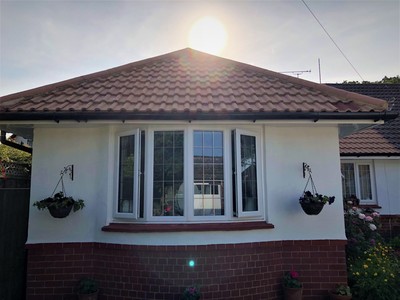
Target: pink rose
x,y
361,216
368,218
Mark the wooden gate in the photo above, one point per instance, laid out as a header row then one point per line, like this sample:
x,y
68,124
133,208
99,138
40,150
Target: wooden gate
x,y
14,213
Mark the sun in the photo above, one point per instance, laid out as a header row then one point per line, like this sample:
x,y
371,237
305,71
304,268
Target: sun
x,y
208,34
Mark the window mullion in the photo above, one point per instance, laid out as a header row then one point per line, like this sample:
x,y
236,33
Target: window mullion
x,y
136,176
189,174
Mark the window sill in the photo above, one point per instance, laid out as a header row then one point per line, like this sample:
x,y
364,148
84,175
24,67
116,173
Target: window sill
x,y
137,228
369,206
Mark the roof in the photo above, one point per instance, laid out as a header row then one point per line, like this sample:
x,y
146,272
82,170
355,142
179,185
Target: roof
x,y
188,84
381,140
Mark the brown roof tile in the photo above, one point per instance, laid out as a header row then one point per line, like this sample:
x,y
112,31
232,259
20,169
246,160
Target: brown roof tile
x,y
382,139
187,81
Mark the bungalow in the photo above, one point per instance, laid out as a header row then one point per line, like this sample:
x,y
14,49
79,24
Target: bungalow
x,y
191,167
370,159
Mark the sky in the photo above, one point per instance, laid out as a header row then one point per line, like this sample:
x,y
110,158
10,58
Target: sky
x,y
43,42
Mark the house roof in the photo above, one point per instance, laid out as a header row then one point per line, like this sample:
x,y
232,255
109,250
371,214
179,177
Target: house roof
x,y
188,84
381,140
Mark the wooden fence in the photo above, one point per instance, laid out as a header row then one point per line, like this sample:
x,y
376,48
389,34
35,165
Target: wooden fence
x,y
14,212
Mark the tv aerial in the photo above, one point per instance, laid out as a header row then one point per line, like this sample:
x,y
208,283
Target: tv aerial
x,y
297,73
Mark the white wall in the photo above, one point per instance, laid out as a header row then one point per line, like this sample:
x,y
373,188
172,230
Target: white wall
x,y
287,148
54,149
387,180
90,150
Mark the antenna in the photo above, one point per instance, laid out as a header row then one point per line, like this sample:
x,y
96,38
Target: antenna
x,y
297,73
319,70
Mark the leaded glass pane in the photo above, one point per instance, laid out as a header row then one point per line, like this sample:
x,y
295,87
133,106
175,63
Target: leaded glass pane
x,y
208,173
348,182
168,173
365,182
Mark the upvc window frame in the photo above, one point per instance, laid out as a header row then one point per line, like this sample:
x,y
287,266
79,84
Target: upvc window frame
x,y
188,197
356,164
136,176
227,167
150,176
236,152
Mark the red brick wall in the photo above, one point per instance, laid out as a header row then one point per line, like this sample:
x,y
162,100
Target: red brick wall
x,y
228,271
390,226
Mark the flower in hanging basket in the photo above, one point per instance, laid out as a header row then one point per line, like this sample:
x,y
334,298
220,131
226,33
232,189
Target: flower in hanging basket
x,y
309,197
59,205
312,204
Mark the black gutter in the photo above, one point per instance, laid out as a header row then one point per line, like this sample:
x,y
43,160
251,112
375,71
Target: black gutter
x,y
186,116
370,154
6,142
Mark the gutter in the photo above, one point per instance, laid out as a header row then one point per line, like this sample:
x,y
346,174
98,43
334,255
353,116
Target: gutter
x,y
4,141
364,155
191,116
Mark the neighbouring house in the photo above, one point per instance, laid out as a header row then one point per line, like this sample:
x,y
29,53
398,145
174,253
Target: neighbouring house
x,y
370,159
191,168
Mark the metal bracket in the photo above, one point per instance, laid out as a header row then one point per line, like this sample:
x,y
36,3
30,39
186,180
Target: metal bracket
x,y
306,168
70,170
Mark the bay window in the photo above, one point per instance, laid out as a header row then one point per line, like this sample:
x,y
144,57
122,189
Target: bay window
x,y
190,174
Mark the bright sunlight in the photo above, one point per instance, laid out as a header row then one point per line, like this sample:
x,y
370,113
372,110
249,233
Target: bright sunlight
x,y
208,35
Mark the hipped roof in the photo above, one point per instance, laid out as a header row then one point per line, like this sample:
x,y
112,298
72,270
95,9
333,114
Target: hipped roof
x,y
381,140
188,84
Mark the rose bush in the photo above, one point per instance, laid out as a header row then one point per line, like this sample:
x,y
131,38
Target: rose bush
x,y
361,229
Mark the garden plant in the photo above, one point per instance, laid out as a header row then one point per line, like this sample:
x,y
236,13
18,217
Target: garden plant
x,y
373,266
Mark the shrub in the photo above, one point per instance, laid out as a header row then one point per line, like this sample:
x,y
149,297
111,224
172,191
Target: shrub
x,y
375,274
361,229
395,243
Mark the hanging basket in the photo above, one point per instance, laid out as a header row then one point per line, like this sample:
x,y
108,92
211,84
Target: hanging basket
x,y
60,212
311,202
58,204
312,208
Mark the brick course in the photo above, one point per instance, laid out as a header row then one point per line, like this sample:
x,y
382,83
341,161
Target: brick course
x,y
227,271
390,226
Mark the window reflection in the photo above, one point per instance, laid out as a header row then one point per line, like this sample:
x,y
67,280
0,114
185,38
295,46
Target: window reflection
x,y
126,173
248,173
168,174
208,173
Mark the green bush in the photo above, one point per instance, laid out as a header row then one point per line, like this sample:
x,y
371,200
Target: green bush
x,y
10,154
375,274
395,243
361,230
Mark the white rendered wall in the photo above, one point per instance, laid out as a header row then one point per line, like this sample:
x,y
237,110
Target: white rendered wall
x,y
90,150
387,180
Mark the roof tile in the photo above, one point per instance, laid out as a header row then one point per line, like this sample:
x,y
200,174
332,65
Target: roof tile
x,y
188,81
382,139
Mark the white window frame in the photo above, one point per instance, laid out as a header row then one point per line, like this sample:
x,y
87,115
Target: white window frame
x,y
136,178
189,217
356,164
227,170
150,166
237,158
